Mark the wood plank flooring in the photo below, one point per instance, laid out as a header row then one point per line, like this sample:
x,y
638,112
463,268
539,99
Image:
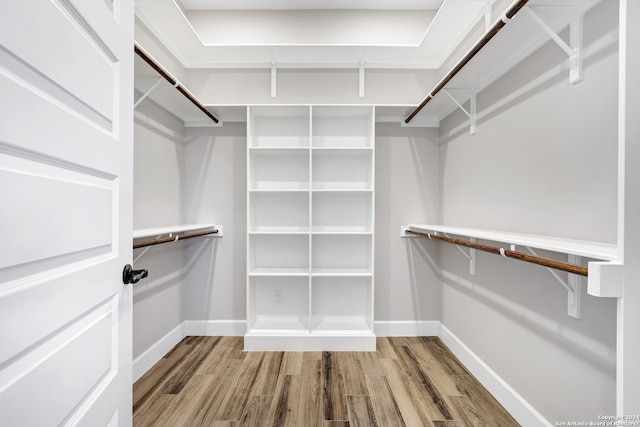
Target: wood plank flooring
x,y
414,381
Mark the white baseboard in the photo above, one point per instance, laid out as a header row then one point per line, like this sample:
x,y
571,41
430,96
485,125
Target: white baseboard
x,y
153,354
215,328
407,328
515,404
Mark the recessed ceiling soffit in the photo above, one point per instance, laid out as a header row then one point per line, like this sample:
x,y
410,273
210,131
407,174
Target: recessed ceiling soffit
x,y
311,34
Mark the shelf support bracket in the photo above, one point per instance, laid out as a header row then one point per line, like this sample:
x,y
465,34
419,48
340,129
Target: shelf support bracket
x,y
573,285
274,79
144,251
488,15
472,109
471,256
147,93
574,49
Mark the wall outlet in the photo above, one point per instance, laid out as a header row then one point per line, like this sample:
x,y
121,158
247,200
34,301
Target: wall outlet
x,y
278,296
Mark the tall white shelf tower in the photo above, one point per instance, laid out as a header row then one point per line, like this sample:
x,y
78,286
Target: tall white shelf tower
x,y
310,211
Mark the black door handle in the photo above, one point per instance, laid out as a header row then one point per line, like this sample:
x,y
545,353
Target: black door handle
x,y
129,275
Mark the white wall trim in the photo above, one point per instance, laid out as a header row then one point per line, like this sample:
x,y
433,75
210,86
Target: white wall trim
x,y
407,328
513,402
153,354
215,328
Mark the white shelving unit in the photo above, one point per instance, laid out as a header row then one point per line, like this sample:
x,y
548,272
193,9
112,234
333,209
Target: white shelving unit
x,y
310,237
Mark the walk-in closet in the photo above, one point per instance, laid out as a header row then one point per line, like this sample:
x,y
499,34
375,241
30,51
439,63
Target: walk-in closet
x,y
320,213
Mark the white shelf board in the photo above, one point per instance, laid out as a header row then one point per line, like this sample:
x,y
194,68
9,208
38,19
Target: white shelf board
x,y
279,186
341,272
277,148
276,272
595,250
346,231
344,187
277,231
172,229
342,190
341,148
276,191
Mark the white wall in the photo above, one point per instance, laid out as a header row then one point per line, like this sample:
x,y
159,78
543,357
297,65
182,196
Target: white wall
x,y
407,191
216,192
544,161
158,198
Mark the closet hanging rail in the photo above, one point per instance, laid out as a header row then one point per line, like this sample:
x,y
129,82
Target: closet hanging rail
x,y
172,239
165,74
551,263
492,31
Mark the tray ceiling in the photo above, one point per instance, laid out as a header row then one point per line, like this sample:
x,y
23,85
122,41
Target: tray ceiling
x,y
310,33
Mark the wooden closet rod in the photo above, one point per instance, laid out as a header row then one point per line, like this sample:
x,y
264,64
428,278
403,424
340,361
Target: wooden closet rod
x,y
551,263
497,26
171,239
164,73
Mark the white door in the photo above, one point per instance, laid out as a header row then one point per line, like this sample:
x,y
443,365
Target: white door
x,y
66,70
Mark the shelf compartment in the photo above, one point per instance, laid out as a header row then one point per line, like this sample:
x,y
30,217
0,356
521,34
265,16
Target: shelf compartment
x,y
275,126
344,126
342,212
278,304
279,212
342,169
341,304
279,169
278,252
344,253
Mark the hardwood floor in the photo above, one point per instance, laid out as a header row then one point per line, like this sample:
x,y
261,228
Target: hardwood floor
x,y
210,381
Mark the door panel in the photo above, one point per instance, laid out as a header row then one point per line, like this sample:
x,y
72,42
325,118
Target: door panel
x,y
82,350
66,147
52,216
59,34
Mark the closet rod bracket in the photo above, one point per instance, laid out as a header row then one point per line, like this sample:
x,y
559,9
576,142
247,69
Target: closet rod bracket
x,y
174,236
573,49
471,256
147,93
472,108
573,285
488,14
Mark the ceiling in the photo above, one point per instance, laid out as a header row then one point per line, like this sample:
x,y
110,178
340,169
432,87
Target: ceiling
x,y
413,34
335,34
